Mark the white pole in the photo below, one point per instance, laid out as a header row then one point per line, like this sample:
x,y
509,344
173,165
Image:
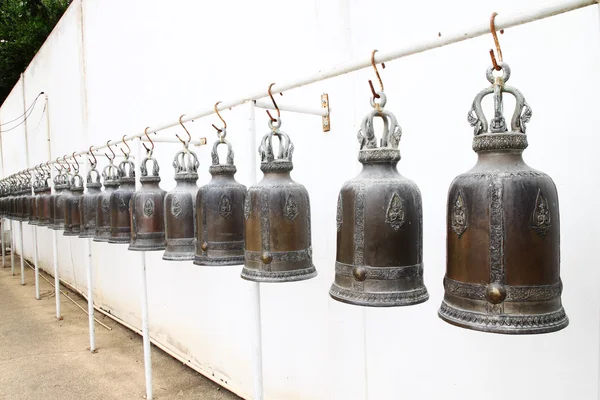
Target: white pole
x,y
56,279
255,312
22,254
36,264
145,331
12,248
90,294
3,244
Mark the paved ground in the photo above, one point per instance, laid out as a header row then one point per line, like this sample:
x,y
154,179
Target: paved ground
x,y
42,358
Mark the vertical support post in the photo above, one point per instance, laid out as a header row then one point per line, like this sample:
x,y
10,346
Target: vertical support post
x,y
365,352
145,331
36,264
56,279
90,294
12,248
255,312
3,244
22,255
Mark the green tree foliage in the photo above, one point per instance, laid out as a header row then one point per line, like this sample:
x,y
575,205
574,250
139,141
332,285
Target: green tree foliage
x,y
24,26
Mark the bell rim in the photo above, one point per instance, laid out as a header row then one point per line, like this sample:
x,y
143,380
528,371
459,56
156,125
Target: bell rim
x,y
174,257
563,322
399,299
256,275
206,261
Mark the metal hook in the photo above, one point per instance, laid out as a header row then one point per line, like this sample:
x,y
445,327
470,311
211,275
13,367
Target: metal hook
x,y
375,95
66,162
111,150
91,153
128,148
149,150
186,131
60,165
496,42
274,103
76,163
221,118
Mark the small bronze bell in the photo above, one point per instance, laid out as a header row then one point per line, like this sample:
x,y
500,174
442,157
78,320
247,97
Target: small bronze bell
x,y
147,211
35,199
62,192
120,220
103,212
277,213
73,205
88,204
220,214
43,202
379,224
180,209
503,230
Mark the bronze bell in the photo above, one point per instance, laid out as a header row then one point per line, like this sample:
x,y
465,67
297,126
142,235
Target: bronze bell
x,y
147,211
220,214
52,202
379,258
43,202
88,204
36,200
62,192
120,220
503,230
73,205
277,213
103,212
180,209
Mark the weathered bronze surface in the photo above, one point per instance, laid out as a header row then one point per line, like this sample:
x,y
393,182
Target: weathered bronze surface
x,y
120,219
61,186
220,214
33,218
73,204
277,213
88,204
43,203
379,258
180,209
147,211
503,231
103,211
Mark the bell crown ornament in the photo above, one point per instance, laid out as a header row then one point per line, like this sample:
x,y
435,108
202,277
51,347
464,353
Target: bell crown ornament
x,y
379,221
185,164
282,161
503,230
220,212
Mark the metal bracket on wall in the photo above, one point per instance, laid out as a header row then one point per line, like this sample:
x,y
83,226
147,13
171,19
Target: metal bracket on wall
x,y
326,120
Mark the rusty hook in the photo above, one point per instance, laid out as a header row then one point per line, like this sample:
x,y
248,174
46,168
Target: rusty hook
x,y
274,103
148,150
91,153
128,148
186,131
66,162
221,118
60,165
375,95
111,150
76,163
496,42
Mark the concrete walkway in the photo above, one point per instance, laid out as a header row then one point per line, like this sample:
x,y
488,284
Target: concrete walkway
x,y
42,358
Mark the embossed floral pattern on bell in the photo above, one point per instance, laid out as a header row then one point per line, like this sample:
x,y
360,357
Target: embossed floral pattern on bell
x,y
180,208
147,210
379,223
220,206
503,235
278,226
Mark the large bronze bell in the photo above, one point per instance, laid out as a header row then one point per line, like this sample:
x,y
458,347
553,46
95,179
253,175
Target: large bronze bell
x,y
277,213
220,214
43,202
147,211
503,230
120,220
62,192
103,211
73,204
379,258
35,199
180,209
88,204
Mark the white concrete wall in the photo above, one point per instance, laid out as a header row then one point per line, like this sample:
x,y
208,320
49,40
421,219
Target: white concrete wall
x,y
113,67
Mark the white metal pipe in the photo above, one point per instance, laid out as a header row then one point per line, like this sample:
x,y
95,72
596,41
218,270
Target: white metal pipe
x,y
22,254
56,279
268,104
503,21
171,140
12,248
90,296
255,312
3,244
146,331
36,264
